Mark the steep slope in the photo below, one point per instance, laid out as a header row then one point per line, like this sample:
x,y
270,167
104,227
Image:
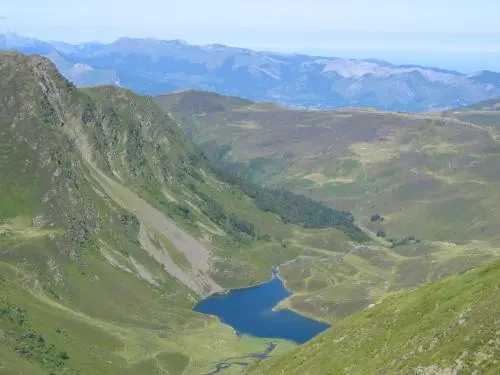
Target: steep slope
x,y
71,296
108,238
448,327
153,67
431,176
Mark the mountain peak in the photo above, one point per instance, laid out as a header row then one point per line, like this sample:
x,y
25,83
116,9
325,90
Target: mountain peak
x,y
154,66
42,63
181,42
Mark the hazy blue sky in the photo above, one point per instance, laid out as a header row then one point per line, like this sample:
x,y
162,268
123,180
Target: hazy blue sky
x,y
458,34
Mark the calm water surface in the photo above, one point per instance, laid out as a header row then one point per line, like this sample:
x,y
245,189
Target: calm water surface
x,y
249,311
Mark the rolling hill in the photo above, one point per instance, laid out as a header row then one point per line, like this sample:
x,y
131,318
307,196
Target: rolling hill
x,y
153,67
430,176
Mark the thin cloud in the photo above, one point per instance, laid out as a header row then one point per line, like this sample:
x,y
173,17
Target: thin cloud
x,y
3,18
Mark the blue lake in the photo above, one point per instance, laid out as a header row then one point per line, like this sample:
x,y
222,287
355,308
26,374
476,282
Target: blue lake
x,y
249,311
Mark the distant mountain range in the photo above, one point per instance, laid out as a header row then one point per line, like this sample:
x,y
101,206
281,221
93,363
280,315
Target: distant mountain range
x,y
152,67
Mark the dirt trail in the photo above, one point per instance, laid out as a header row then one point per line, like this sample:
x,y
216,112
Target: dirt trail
x,y
198,255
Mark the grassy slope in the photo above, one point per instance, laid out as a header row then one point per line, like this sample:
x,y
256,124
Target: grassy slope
x,y
447,327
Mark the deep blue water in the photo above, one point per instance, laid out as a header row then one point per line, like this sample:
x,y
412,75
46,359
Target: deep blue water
x,y
249,311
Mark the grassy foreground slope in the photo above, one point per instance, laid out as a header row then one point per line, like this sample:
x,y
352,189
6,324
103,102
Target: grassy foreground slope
x,y
431,176
448,327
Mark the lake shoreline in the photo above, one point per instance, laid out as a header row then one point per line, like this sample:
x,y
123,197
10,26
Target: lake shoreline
x,y
225,292
255,311
285,305
275,275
